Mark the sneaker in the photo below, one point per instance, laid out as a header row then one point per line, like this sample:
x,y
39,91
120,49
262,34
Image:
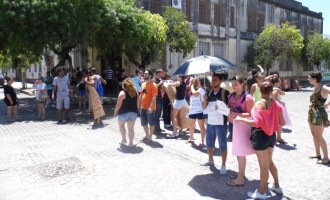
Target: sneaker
x,y
277,191
257,195
173,135
223,170
208,163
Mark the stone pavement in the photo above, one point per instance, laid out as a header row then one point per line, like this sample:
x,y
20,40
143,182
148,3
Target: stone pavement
x,y
45,160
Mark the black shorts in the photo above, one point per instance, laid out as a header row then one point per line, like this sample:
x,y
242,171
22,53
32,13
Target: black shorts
x,y
198,116
261,141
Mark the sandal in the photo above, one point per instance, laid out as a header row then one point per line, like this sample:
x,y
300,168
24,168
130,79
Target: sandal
x,y
322,162
313,157
233,183
281,141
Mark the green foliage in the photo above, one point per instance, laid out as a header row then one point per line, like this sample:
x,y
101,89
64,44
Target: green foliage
x,y
179,35
317,50
278,43
249,57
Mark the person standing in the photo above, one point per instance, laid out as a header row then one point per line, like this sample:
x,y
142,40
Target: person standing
x,y
255,88
179,102
217,122
41,97
252,79
121,78
167,107
82,93
127,109
147,105
61,85
138,79
240,104
49,85
95,81
108,77
196,109
159,100
318,116
267,117
189,82
11,100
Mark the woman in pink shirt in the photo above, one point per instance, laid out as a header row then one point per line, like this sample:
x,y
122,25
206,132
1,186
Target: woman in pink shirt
x,y
267,117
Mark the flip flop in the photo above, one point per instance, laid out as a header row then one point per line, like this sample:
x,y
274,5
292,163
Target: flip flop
x,y
323,163
232,183
315,157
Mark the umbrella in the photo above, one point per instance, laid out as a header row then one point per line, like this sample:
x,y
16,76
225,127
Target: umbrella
x,y
204,64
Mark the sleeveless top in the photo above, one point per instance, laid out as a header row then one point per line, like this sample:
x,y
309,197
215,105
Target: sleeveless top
x,y
129,104
180,91
238,105
317,115
257,94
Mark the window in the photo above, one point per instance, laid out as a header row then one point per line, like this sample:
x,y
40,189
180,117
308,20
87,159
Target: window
x,y
286,66
158,6
232,17
204,12
204,48
218,50
35,68
219,15
188,10
29,69
256,21
40,68
146,4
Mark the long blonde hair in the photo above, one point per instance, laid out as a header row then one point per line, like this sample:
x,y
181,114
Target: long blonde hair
x,y
129,87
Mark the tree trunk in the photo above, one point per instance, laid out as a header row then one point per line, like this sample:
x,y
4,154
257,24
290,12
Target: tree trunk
x,y
63,55
23,73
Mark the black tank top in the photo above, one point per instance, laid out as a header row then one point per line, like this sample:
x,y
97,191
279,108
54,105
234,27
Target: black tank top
x,y
129,104
180,91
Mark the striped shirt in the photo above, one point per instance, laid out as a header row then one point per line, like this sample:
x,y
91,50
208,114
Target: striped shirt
x,y
108,74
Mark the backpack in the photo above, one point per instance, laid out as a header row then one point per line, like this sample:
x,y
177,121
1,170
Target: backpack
x,y
99,87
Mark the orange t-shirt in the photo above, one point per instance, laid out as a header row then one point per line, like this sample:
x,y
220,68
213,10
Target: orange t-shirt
x,y
148,91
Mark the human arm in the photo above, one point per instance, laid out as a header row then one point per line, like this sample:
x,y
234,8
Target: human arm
x,y
253,89
174,83
154,97
103,81
247,121
194,92
261,69
205,102
325,94
120,99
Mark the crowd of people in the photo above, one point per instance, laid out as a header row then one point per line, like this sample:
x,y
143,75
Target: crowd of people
x,y
251,114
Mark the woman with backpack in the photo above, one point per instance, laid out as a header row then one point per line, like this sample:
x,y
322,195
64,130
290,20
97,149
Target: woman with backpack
x,y
240,103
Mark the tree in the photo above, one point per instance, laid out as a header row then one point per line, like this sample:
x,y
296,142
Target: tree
x,y
180,38
317,49
127,29
278,44
249,57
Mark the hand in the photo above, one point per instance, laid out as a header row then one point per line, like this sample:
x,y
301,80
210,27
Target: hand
x,y
232,116
238,118
11,103
150,110
205,97
283,104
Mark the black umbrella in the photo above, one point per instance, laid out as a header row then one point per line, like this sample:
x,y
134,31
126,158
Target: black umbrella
x,y
204,64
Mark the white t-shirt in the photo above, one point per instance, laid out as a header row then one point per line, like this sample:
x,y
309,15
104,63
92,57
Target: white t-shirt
x,y
196,102
62,85
39,86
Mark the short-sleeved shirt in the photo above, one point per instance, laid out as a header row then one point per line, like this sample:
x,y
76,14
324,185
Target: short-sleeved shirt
x,y
62,85
268,120
196,102
10,90
148,91
160,88
108,74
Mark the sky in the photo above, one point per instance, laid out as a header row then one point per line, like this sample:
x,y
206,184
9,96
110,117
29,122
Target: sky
x,y
320,6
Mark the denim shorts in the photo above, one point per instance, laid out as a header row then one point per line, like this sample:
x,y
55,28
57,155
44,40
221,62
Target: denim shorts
x,y
261,141
212,131
129,116
148,118
198,116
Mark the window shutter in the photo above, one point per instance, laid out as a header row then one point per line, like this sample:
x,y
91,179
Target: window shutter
x,y
188,10
219,15
232,17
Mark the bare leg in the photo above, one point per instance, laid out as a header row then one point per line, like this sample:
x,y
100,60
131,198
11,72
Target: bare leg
x,y
264,169
279,135
122,129
130,126
14,112
272,167
9,113
318,130
210,153
60,114
146,130
202,129
151,131
224,157
43,111
174,119
315,140
192,123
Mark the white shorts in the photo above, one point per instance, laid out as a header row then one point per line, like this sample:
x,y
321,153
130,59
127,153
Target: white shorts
x,y
178,104
62,102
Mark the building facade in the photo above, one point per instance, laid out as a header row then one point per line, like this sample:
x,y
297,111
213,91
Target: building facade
x,y
226,28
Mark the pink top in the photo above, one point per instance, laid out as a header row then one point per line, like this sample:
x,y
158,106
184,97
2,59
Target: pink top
x,y
239,105
268,120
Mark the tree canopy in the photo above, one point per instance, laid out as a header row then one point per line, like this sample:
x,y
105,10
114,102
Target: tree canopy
x,y
277,44
180,38
317,50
